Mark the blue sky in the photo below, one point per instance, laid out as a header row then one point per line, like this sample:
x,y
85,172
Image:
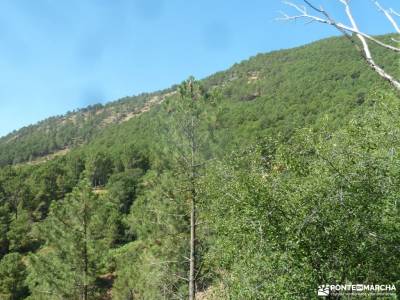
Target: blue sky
x,y
58,55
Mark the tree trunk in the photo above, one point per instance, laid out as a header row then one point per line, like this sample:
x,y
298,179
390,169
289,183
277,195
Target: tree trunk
x,y
192,262
192,267
85,256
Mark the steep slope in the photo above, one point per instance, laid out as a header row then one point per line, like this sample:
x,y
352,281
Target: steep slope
x,y
269,95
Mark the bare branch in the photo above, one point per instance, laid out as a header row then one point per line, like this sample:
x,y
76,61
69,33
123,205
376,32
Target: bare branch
x,y
344,29
388,14
180,277
348,30
367,52
393,12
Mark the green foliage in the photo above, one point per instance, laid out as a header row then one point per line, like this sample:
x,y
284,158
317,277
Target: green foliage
x,y
19,235
12,274
4,227
152,267
78,234
122,188
322,210
98,168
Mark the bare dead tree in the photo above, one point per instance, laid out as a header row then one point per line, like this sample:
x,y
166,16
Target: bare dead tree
x,y
352,29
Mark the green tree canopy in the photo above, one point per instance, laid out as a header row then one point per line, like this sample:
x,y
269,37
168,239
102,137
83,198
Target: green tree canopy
x,y
78,234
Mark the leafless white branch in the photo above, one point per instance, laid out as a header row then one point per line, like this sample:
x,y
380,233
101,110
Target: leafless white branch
x,y
367,52
330,21
389,15
347,30
394,12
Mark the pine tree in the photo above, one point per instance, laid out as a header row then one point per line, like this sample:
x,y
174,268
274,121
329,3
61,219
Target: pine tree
x,y
188,146
4,227
98,168
19,233
12,275
163,263
78,234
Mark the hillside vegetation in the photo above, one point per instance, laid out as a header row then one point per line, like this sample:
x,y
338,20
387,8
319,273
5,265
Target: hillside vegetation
x,y
72,129
298,187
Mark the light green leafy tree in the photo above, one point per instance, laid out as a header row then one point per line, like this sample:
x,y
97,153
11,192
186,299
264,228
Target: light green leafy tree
x,y
320,209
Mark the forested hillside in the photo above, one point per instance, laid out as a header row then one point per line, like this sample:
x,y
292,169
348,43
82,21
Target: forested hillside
x,y
290,160
72,129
